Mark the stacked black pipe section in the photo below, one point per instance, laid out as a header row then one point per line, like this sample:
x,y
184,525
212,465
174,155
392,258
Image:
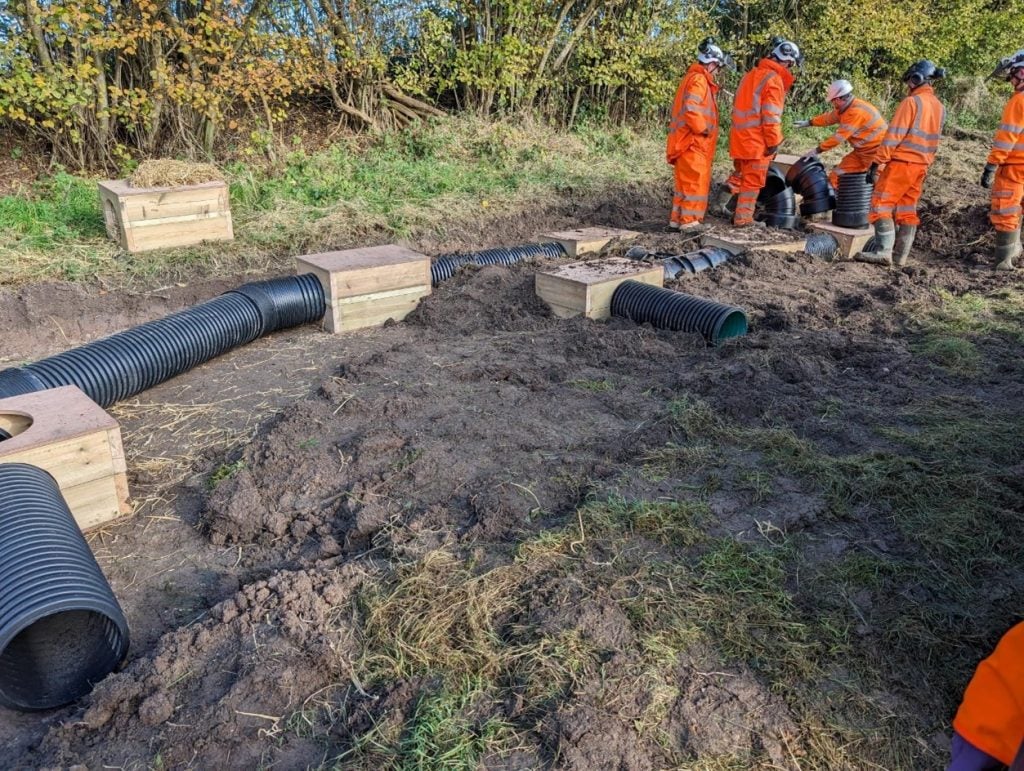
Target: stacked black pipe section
x,y
129,362
665,309
809,179
61,629
822,245
776,203
695,262
853,200
447,265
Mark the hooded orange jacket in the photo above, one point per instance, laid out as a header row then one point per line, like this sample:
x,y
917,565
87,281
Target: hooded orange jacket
x,y
860,124
915,129
694,113
757,110
1008,146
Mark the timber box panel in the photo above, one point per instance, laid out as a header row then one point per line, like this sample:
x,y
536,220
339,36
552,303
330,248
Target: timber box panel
x,y
366,287
588,240
851,241
143,218
65,433
739,242
586,288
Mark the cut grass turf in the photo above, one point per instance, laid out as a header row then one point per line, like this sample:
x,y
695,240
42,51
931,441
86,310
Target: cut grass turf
x,y
404,184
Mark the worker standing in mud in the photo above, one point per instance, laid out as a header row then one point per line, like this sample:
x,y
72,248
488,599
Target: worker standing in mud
x,y
859,123
756,131
693,135
1004,170
905,155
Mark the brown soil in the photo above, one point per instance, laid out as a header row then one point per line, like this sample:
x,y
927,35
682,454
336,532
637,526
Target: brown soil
x,y
278,483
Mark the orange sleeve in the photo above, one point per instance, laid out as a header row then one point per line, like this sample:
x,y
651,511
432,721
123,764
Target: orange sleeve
x,y
850,122
991,716
898,129
693,107
1009,138
829,118
773,101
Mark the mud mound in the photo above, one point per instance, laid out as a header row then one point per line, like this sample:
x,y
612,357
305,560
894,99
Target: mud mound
x,y
214,690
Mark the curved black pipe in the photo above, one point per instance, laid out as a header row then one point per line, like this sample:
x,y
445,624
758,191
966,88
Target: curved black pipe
x,y
447,265
809,179
853,200
61,629
665,309
123,364
4,435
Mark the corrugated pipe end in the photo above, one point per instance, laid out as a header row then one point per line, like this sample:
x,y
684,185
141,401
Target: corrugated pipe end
x,y
447,265
286,302
822,245
15,382
665,309
61,628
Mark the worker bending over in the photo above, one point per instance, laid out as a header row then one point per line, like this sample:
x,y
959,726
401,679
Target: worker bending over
x,y
693,135
756,131
906,153
859,123
1004,171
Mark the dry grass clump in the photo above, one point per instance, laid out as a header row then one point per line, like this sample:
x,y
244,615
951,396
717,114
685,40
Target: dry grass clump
x,y
168,173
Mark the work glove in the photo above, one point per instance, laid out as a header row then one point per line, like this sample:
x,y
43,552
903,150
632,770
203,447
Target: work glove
x,y
872,175
801,123
769,152
988,176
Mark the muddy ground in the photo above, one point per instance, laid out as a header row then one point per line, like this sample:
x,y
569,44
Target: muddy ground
x,y
489,537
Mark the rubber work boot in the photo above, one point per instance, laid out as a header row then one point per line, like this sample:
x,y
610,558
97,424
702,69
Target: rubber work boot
x,y
904,240
1007,248
691,227
880,252
725,201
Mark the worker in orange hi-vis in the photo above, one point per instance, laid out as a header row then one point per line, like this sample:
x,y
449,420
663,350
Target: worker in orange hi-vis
x,y
756,131
1004,171
693,135
906,154
858,122
989,726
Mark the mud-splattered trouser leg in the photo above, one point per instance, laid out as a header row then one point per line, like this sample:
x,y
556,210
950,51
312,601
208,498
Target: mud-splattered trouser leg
x,y
897,192
1007,198
746,182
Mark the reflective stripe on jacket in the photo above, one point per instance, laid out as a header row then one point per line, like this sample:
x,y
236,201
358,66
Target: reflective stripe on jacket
x,y
757,110
915,129
860,124
1008,145
694,112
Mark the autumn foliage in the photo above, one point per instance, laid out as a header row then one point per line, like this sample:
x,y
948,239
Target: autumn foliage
x,y
104,80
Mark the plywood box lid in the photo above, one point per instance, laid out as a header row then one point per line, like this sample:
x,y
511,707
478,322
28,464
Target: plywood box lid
x,y
601,271
59,413
367,257
120,187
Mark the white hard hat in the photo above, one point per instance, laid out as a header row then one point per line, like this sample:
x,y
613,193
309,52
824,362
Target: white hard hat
x,y
708,52
786,51
839,88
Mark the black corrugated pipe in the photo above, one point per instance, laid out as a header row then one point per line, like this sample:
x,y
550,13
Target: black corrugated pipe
x,y
776,204
674,264
4,435
822,245
61,629
853,200
128,362
810,180
665,309
447,265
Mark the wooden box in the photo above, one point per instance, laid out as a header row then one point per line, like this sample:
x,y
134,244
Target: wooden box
x,y
588,240
65,433
742,241
366,287
851,241
586,288
142,218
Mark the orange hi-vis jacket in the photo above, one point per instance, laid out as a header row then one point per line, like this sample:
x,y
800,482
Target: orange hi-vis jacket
x,y
860,124
991,715
694,113
1008,146
915,129
757,110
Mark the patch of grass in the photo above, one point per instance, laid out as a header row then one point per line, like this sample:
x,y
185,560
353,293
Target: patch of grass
x,y
683,459
225,471
595,386
954,353
973,315
672,522
403,184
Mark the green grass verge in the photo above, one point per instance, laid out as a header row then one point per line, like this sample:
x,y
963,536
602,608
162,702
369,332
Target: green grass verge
x,y
403,184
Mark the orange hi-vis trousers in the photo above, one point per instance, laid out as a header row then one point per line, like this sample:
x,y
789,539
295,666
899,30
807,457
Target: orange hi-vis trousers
x,y
853,163
897,192
1007,197
746,181
692,183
